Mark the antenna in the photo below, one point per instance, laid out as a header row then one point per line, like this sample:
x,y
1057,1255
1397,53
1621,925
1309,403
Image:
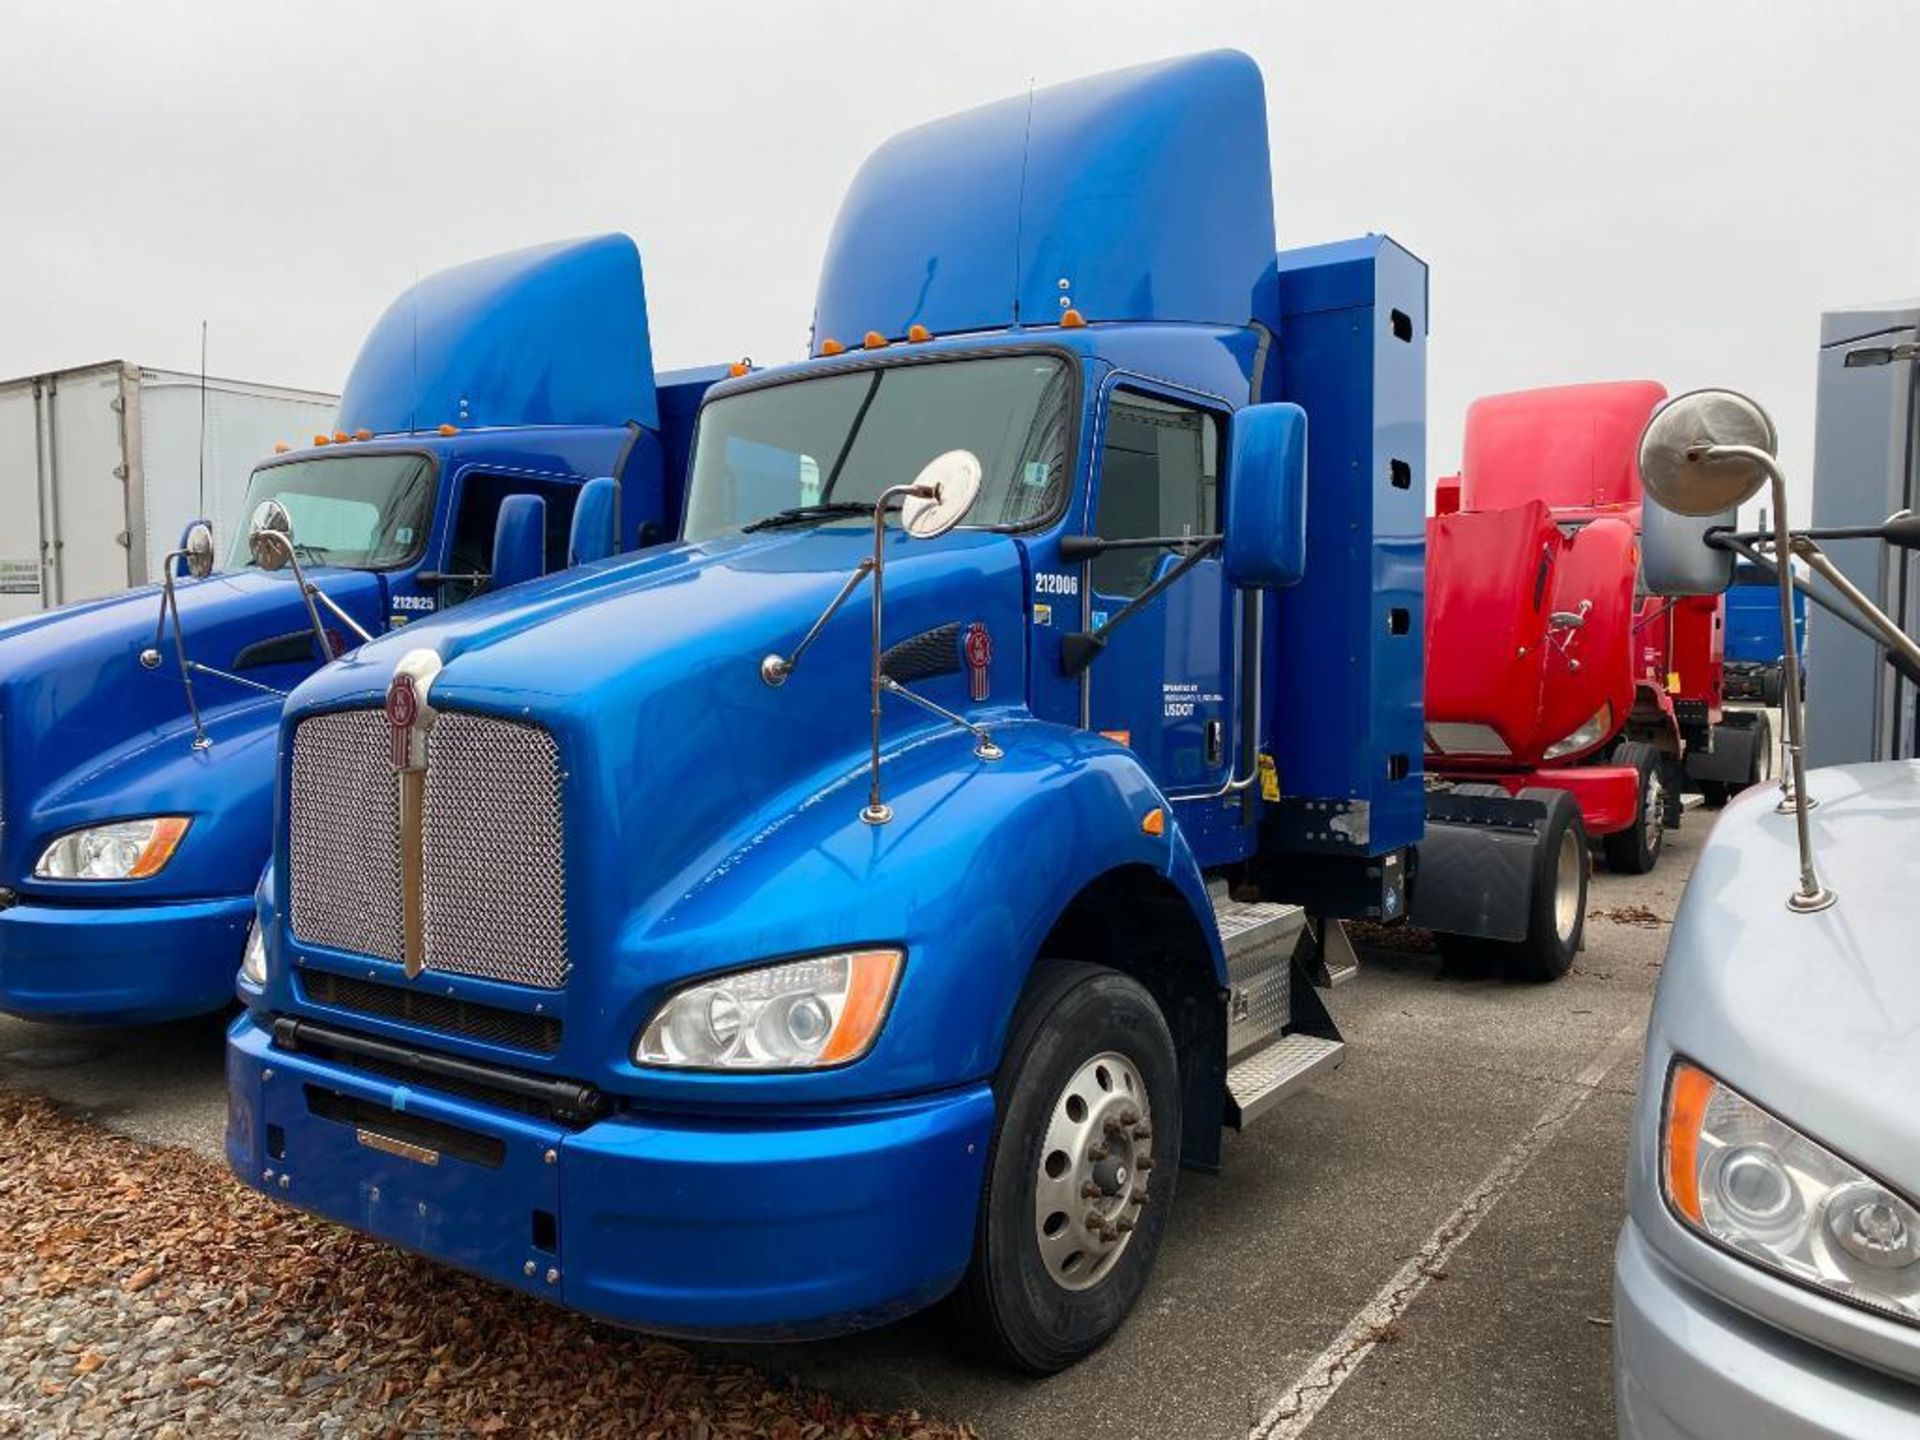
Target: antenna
x,y
203,419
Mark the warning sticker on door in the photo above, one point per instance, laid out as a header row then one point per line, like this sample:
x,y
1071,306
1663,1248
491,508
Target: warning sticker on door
x,y
19,577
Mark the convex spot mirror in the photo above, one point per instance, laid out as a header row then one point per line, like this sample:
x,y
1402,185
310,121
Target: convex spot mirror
x,y
1696,454
1265,545
270,535
951,483
197,549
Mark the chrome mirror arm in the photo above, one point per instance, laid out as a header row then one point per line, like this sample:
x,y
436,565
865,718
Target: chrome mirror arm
x,y
1811,895
150,657
333,608
983,745
774,669
307,591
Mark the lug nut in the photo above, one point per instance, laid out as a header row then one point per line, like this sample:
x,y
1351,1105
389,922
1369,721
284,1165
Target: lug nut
x,y
1097,1154
1091,1191
1143,1162
1129,1117
1142,1134
1139,1197
1123,1225
1095,1221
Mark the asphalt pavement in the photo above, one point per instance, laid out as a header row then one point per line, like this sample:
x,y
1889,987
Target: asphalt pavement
x,y
1417,1244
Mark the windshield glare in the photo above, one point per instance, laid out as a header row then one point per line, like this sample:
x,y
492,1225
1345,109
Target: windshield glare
x,y
367,512
841,438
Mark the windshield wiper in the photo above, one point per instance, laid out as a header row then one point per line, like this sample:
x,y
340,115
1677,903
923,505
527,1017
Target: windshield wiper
x,y
800,514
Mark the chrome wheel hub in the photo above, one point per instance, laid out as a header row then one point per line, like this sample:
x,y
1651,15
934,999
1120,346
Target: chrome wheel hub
x,y
1655,817
1566,886
1093,1167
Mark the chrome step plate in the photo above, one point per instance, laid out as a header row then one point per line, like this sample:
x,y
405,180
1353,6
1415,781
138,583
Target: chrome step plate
x,y
1259,1082
1338,957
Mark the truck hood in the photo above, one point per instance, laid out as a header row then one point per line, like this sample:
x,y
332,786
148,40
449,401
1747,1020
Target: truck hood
x,y
646,670
1816,1017
89,734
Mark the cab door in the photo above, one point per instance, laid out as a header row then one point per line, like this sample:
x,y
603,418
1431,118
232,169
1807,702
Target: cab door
x,y
1164,684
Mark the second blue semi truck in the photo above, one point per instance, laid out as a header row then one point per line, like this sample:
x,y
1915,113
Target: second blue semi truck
x,y
882,891
138,733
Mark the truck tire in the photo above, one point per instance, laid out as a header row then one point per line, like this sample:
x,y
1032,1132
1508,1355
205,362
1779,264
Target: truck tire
x,y
1716,793
1772,686
1634,850
1087,1094
1557,923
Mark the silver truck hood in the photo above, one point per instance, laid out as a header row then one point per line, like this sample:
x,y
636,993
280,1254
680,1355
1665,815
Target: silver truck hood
x,y
1816,1017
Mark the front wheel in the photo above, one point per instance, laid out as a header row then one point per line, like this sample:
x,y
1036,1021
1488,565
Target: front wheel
x,y
1557,921
1634,850
1081,1173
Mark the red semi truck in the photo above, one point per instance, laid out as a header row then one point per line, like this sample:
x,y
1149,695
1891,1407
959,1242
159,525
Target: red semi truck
x,y
1548,663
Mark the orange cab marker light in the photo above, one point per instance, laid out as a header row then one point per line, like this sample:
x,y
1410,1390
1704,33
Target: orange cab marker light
x,y
1688,1091
1073,320
918,333
363,434
869,991
280,447
449,430
339,437
166,835
875,340
739,367
323,439
831,346
1154,822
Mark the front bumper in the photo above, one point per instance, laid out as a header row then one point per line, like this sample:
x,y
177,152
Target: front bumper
x,y
121,964
1690,1367
739,1227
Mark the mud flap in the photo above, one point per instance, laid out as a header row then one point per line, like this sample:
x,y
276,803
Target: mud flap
x,y
1476,865
1731,760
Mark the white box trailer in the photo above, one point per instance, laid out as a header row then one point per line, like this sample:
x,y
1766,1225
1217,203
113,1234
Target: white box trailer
x,y
100,471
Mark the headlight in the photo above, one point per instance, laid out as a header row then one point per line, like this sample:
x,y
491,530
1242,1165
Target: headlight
x,y
825,1010
1736,1174
1592,732
253,963
124,850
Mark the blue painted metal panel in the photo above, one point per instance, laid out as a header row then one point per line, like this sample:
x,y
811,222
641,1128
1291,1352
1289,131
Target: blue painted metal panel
x,y
1345,730
552,335
519,541
1753,633
1147,191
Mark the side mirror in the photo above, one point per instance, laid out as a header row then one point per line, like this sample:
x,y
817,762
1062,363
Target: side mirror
x,y
1706,452
196,550
595,533
1675,558
944,491
1265,526
519,541
270,536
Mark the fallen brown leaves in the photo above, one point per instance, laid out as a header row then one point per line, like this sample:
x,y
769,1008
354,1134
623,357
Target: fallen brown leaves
x,y
309,1309
1629,915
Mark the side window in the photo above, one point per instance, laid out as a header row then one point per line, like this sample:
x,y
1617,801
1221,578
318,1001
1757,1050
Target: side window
x,y
479,510
1159,475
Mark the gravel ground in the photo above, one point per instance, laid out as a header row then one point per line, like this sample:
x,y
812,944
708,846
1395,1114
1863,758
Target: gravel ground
x,y
142,1293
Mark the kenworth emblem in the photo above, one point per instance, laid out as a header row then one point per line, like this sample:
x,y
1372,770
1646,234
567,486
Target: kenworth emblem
x,y
979,652
409,718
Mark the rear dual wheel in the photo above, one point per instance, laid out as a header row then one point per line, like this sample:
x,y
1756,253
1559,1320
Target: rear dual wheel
x,y
1081,1171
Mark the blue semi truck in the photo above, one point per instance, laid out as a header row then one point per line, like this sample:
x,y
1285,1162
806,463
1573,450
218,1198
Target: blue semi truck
x,y
881,892
510,401
1755,645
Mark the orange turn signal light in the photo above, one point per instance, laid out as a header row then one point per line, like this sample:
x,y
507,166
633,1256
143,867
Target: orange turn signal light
x,y
159,850
831,346
1689,1088
1154,822
917,333
449,430
363,434
870,984
280,447
323,439
875,340
1072,319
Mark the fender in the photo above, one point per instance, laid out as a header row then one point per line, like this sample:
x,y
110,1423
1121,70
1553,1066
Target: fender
x,y
979,860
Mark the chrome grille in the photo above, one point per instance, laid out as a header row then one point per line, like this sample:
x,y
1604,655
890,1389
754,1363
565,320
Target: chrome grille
x,y
344,835
494,874
496,902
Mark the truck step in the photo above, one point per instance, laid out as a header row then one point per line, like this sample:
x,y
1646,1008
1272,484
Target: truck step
x,y
1259,1082
1338,961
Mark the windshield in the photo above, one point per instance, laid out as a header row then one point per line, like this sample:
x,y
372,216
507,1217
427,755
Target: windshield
x,y
364,511
839,440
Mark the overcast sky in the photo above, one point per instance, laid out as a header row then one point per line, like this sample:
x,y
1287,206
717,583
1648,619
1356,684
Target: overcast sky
x,y
1603,190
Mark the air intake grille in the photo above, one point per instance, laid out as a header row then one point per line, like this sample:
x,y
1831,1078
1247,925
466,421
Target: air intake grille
x,y
344,840
495,881
412,1006
494,884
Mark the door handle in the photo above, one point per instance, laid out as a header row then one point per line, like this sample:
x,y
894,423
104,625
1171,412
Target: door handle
x,y
1216,742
